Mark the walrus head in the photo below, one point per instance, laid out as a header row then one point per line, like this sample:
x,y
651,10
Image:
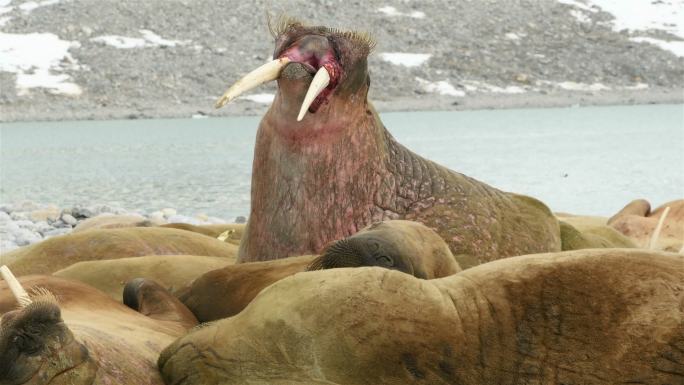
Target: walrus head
x,y
364,250
314,67
36,346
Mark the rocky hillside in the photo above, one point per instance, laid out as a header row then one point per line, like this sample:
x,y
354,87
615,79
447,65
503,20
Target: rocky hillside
x,y
84,59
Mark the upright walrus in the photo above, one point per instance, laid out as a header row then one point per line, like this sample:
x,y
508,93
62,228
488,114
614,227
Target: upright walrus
x,y
323,175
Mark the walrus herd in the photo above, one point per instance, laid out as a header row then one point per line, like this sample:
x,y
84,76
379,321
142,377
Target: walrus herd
x,y
361,263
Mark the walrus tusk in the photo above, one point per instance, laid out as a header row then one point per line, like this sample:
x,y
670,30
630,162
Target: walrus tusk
x,y
19,293
659,226
318,84
266,73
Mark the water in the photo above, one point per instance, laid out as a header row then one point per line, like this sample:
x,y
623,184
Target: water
x,y
590,160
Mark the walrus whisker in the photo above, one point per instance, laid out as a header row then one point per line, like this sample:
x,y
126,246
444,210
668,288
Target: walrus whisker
x,y
656,233
20,294
342,253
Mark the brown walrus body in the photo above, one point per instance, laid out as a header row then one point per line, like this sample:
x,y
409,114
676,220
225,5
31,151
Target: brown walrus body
x,y
79,336
580,317
59,252
405,246
339,169
638,222
173,272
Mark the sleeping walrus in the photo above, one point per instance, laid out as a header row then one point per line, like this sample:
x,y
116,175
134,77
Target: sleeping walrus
x,y
325,166
70,333
404,246
604,316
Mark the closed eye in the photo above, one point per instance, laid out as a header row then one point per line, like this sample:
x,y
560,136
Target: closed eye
x,y
384,260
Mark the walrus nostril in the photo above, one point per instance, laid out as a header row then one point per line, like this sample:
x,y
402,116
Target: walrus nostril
x,y
297,71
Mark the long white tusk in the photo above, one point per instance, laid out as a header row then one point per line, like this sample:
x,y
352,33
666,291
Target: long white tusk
x,y
318,84
656,233
19,293
266,73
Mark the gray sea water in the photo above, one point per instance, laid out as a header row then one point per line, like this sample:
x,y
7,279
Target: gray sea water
x,y
588,160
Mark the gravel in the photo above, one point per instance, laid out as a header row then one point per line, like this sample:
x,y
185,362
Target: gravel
x,y
499,53
20,225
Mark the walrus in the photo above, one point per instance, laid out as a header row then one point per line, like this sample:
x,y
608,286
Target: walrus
x,y
405,246
70,333
56,253
638,222
580,317
108,221
228,232
173,272
325,166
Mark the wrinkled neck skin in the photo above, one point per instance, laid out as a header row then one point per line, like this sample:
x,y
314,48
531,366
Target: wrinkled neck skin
x,y
317,180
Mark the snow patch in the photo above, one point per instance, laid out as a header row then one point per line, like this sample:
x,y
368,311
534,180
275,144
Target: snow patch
x,y
676,47
4,3
405,59
37,59
259,98
512,36
5,9
572,86
579,5
391,11
641,15
580,16
4,20
441,87
29,6
471,85
638,86
149,39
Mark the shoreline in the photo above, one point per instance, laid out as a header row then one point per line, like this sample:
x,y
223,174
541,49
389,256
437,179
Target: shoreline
x,y
425,102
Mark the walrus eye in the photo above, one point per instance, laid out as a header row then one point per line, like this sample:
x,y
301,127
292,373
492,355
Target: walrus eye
x,y
384,261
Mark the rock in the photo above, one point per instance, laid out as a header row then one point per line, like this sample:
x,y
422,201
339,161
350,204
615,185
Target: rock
x,y
82,212
24,237
45,214
169,212
4,217
18,216
6,208
69,219
56,232
42,227
183,219
240,219
157,216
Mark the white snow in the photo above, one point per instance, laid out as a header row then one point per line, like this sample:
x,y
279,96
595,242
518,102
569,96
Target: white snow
x,y
4,3
441,87
31,5
471,85
37,59
579,5
5,10
157,40
638,86
4,20
149,39
641,15
573,86
405,59
512,36
580,16
391,11
259,98
676,47
122,42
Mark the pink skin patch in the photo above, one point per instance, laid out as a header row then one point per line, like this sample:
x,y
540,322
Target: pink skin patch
x,y
313,61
